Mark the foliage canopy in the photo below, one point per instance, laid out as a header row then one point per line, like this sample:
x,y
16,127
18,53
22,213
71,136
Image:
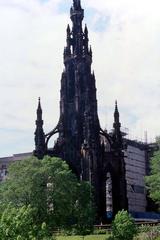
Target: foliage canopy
x,y
153,181
18,224
50,188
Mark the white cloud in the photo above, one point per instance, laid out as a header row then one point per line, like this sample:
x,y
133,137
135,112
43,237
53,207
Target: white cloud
x,y
126,56
30,66
127,62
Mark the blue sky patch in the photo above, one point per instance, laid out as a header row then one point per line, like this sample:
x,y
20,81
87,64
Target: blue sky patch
x,y
64,7
102,24
102,21
43,1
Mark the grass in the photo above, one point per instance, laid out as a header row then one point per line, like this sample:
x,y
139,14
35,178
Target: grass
x,y
90,237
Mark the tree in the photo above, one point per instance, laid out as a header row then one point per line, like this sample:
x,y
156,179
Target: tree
x,y
153,181
51,189
25,186
84,210
18,224
123,226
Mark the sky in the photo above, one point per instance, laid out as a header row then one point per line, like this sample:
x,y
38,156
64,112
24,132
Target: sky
x,y
125,39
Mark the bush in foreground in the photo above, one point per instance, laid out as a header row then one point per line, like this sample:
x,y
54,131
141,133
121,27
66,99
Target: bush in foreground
x,y
18,224
123,227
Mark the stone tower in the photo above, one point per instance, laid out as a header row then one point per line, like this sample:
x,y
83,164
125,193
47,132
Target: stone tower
x,y
90,151
39,134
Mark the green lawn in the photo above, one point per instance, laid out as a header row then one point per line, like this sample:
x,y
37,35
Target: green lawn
x,y
91,237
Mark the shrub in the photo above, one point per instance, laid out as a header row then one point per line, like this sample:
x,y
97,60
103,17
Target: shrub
x,y
18,224
123,226
149,232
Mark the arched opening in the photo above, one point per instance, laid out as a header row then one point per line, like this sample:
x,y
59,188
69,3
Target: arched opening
x,y
109,197
52,141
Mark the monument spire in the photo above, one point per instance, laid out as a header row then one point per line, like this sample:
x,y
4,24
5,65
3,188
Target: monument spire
x,y
77,15
117,135
81,140
77,4
116,124
39,134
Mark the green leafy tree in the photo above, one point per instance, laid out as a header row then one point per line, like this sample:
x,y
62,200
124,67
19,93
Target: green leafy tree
x,y
123,226
18,224
153,181
25,186
51,189
84,210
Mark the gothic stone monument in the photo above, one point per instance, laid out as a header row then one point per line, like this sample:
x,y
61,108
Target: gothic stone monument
x,y
92,153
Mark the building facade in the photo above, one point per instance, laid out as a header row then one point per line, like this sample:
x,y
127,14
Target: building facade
x,y
6,161
135,156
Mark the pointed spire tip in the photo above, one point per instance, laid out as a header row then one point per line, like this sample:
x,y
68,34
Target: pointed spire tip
x,y
39,103
116,106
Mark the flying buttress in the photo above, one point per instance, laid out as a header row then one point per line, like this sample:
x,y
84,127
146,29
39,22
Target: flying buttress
x,y
52,133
